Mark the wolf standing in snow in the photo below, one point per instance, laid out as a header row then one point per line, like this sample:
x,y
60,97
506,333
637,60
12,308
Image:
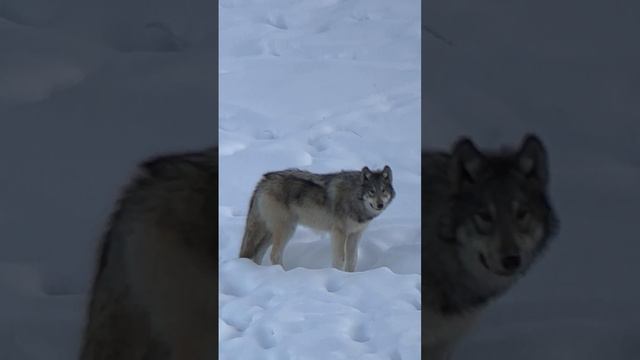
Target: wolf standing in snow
x,y
342,203
154,295
486,218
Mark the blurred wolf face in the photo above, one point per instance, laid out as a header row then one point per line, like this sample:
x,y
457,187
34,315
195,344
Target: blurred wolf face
x,y
502,217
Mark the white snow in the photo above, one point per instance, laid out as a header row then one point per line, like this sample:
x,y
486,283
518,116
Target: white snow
x,y
323,86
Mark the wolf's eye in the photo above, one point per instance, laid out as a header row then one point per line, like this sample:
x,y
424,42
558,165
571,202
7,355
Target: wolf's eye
x,y
372,192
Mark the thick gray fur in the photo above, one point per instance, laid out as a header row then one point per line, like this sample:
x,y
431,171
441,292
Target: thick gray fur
x,y
154,294
341,203
486,218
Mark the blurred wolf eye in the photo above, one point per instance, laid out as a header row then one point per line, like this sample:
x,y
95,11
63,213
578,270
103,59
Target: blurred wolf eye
x,y
372,192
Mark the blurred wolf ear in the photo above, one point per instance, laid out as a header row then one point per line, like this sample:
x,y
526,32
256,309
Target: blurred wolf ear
x,y
532,159
386,173
366,174
467,163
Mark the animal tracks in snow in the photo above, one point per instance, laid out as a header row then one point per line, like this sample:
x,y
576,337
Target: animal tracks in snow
x,y
322,85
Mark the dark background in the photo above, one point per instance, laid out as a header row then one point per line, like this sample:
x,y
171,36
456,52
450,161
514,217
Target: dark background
x,y
568,71
87,90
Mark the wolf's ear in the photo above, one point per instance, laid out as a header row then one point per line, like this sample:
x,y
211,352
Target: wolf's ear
x,y
386,173
467,163
532,159
366,174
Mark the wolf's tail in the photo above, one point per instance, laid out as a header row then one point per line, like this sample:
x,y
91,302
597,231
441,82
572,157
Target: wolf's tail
x,y
256,235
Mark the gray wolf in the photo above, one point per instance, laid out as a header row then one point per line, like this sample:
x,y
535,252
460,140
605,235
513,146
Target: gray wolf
x,y
341,203
154,292
486,218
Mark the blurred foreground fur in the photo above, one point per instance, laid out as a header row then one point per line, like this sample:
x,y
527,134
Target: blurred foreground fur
x,y
154,295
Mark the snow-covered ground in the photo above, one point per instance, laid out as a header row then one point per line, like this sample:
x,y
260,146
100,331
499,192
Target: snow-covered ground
x,y
569,71
323,86
87,89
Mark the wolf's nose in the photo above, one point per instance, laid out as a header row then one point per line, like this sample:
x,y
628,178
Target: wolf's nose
x,y
380,205
510,263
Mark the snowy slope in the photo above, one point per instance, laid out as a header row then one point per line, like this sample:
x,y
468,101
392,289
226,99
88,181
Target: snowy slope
x,y
323,86
87,89
568,71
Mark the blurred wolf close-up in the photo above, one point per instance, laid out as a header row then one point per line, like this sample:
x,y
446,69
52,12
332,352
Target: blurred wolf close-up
x,y
486,218
154,294
342,203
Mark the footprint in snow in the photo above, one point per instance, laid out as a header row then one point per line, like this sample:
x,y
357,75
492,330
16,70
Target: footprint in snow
x,y
278,21
319,143
266,337
361,333
334,284
265,135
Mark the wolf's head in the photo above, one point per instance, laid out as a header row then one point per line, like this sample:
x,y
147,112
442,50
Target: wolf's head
x,y
500,215
377,189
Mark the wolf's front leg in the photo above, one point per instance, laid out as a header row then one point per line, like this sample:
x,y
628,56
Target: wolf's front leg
x,y
351,251
338,240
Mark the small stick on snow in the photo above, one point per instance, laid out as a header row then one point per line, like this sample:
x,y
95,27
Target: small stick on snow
x,y
437,35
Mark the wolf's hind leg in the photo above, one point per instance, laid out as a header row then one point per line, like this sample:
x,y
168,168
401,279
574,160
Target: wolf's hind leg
x,y
281,233
262,247
280,223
